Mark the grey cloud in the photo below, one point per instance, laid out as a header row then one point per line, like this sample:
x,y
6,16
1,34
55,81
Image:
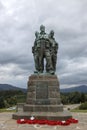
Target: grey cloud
x,y
20,19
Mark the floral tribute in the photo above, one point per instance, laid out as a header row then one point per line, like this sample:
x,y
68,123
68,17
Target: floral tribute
x,y
47,122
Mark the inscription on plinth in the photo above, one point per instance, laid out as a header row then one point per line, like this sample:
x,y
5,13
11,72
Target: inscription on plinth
x,y
41,90
42,93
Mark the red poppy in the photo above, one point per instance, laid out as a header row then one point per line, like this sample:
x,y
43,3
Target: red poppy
x,y
42,122
48,122
21,121
72,120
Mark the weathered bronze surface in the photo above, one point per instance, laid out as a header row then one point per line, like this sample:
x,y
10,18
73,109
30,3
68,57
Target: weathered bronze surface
x,y
45,48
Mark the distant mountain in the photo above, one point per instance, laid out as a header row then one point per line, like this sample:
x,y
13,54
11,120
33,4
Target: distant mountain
x,y
82,88
4,87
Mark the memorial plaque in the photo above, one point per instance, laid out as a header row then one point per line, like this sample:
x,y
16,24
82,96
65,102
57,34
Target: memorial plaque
x,y
42,91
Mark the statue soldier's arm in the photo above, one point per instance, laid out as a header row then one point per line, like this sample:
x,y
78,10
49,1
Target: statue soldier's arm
x,y
56,47
33,49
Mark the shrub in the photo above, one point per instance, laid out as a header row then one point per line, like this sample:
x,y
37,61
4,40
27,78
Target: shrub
x,y
83,106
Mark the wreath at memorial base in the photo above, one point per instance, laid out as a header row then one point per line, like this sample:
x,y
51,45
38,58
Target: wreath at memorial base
x,y
47,122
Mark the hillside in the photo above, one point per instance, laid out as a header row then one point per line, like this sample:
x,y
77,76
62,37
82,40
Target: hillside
x,y
81,88
4,87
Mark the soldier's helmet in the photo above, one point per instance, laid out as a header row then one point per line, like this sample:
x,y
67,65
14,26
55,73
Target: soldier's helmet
x,y
42,28
52,32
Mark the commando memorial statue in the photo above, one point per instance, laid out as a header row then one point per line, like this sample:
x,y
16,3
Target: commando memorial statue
x,y
43,92
45,47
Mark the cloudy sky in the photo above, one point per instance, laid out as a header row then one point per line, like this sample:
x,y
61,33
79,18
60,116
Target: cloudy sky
x,y
19,19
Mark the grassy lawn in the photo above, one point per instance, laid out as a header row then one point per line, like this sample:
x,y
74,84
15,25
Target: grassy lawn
x,y
5,110
77,110
83,111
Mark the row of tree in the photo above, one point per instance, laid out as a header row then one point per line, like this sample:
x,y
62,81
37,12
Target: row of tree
x,y
9,98
12,97
73,98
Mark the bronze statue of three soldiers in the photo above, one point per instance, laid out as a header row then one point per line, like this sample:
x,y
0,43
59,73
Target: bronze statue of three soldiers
x,y
45,47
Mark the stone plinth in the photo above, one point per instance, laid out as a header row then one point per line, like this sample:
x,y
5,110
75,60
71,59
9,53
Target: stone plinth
x,y
43,99
43,115
43,108
43,94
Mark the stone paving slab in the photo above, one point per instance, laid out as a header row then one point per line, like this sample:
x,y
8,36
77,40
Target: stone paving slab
x,y
7,123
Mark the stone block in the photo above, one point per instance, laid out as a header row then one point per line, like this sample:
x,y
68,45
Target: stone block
x,y
43,108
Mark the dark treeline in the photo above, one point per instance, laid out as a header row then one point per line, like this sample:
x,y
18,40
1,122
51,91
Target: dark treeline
x,y
73,97
12,97
9,98
10,93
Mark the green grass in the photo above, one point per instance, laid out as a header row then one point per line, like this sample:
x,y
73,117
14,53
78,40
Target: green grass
x,y
77,110
81,108
5,110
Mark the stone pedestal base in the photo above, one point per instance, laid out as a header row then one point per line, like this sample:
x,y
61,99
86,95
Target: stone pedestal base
x,y
43,108
43,115
43,99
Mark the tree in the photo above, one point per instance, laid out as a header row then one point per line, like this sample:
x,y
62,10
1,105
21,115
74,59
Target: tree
x,y
83,106
83,97
2,105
